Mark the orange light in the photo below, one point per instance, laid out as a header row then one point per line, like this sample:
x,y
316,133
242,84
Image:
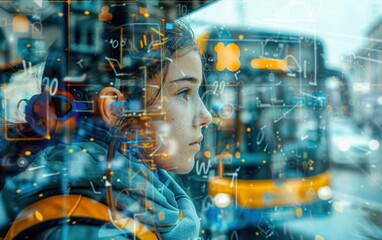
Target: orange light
x,y
202,42
298,212
228,57
268,63
221,169
142,10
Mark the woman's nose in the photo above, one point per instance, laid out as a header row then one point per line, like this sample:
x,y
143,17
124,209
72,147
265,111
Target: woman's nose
x,y
204,117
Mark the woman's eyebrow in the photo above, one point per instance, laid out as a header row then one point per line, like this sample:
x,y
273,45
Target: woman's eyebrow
x,y
189,79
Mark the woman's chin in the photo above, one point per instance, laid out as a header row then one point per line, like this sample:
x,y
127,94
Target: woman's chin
x,y
185,166
177,165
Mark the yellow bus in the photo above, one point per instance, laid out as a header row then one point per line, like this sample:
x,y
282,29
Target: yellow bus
x,y
268,146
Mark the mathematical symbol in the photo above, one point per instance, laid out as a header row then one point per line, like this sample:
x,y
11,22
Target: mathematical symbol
x,y
79,63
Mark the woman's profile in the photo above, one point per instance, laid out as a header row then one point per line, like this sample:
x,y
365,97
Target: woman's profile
x,y
120,188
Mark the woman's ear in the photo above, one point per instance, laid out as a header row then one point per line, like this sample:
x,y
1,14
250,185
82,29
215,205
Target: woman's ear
x,y
106,97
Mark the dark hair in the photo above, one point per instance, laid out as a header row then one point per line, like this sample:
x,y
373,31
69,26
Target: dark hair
x,y
179,40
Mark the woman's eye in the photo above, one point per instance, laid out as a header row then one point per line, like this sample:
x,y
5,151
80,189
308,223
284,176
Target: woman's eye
x,y
185,94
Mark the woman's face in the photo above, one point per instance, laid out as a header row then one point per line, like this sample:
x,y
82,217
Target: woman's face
x,y
186,114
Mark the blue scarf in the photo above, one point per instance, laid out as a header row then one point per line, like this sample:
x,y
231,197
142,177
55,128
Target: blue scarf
x,y
157,201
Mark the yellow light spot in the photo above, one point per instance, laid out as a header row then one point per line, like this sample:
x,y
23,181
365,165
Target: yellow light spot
x,y
181,215
86,12
28,45
48,137
241,36
84,150
38,216
237,154
338,207
243,160
111,173
318,237
216,120
58,59
146,15
68,220
34,184
71,150
203,231
60,14
18,191
248,129
311,168
264,162
257,233
28,153
161,216
91,139
298,212
41,195
74,222
207,154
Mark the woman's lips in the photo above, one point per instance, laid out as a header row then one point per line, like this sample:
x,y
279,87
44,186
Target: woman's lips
x,y
195,146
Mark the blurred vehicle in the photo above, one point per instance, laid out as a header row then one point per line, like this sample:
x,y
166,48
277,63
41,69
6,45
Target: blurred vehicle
x,y
351,146
268,145
368,112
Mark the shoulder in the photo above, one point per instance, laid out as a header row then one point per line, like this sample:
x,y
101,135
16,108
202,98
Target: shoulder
x,y
77,231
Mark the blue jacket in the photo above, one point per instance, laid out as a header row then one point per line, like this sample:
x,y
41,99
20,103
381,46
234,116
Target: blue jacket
x,y
154,200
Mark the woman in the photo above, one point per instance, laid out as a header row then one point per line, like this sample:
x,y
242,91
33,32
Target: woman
x,y
85,191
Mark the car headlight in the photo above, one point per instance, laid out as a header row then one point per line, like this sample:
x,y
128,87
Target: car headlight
x,y
325,193
222,200
373,145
